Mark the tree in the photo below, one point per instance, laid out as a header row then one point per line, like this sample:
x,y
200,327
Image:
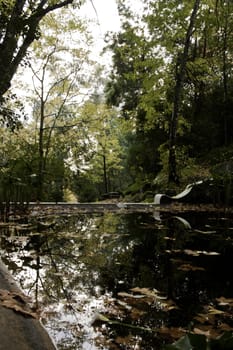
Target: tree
x,y
19,28
179,79
57,64
99,167
133,87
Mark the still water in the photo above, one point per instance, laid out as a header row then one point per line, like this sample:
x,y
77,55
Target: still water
x,y
125,281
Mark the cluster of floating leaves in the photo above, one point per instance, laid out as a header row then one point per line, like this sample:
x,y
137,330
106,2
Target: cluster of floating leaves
x,y
212,322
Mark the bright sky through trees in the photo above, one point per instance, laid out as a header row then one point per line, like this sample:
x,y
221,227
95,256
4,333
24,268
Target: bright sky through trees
x,y
104,17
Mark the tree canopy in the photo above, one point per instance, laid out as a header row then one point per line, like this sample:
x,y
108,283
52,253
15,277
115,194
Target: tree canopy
x,y
19,27
160,115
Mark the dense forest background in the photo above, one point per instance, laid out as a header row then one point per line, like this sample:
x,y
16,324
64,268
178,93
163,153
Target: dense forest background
x,y
155,117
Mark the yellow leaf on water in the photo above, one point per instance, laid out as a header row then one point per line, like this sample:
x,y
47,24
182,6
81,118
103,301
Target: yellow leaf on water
x,y
214,311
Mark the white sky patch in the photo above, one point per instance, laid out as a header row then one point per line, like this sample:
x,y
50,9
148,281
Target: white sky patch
x,y
103,17
104,12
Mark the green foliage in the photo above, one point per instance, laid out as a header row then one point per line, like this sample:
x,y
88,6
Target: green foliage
x,y
113,149
146,58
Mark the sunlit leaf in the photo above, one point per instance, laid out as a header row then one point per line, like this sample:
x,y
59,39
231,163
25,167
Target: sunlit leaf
x,y
148,292
191,252
127,295
200,331
225,301
214,311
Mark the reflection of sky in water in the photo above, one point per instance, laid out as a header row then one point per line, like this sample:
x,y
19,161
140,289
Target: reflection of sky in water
x,y
76,270
76,323
67,314
66,322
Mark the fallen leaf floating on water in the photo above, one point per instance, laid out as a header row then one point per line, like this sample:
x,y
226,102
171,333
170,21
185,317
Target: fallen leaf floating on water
x,y
214,311
199,252
128,295
188,267
206,318
16,302
191,252
174,332
225,301
148,292
207,332
150,296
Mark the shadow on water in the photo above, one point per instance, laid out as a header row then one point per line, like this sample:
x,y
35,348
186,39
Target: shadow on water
x,y
132,281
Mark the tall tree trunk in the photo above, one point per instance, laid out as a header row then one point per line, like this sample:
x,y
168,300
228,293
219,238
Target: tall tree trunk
x,y
223,27
105,175
41,165
179,80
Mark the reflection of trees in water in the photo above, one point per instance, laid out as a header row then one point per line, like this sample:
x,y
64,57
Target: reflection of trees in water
x,y
70,268
47,266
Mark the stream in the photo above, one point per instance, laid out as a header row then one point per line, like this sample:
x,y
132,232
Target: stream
x,y
125,281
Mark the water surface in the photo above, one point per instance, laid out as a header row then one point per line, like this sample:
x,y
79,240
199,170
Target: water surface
x,y
125,281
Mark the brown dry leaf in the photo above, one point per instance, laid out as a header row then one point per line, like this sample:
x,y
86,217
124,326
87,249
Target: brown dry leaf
x,y
225,301
208,253
16,302
168,305
191,252
148,292
22,298
174,332
202,318
209,332
202,332
199,252
205,318
155,296
173,251
189,267
179,261
136,313
127,341
225,327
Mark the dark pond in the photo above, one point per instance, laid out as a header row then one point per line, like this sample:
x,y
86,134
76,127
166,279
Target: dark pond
x,y
132,281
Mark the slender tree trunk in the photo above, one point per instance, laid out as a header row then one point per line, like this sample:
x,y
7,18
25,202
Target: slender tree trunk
x,y
179,79
224,28
105,175
225,86
41,154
